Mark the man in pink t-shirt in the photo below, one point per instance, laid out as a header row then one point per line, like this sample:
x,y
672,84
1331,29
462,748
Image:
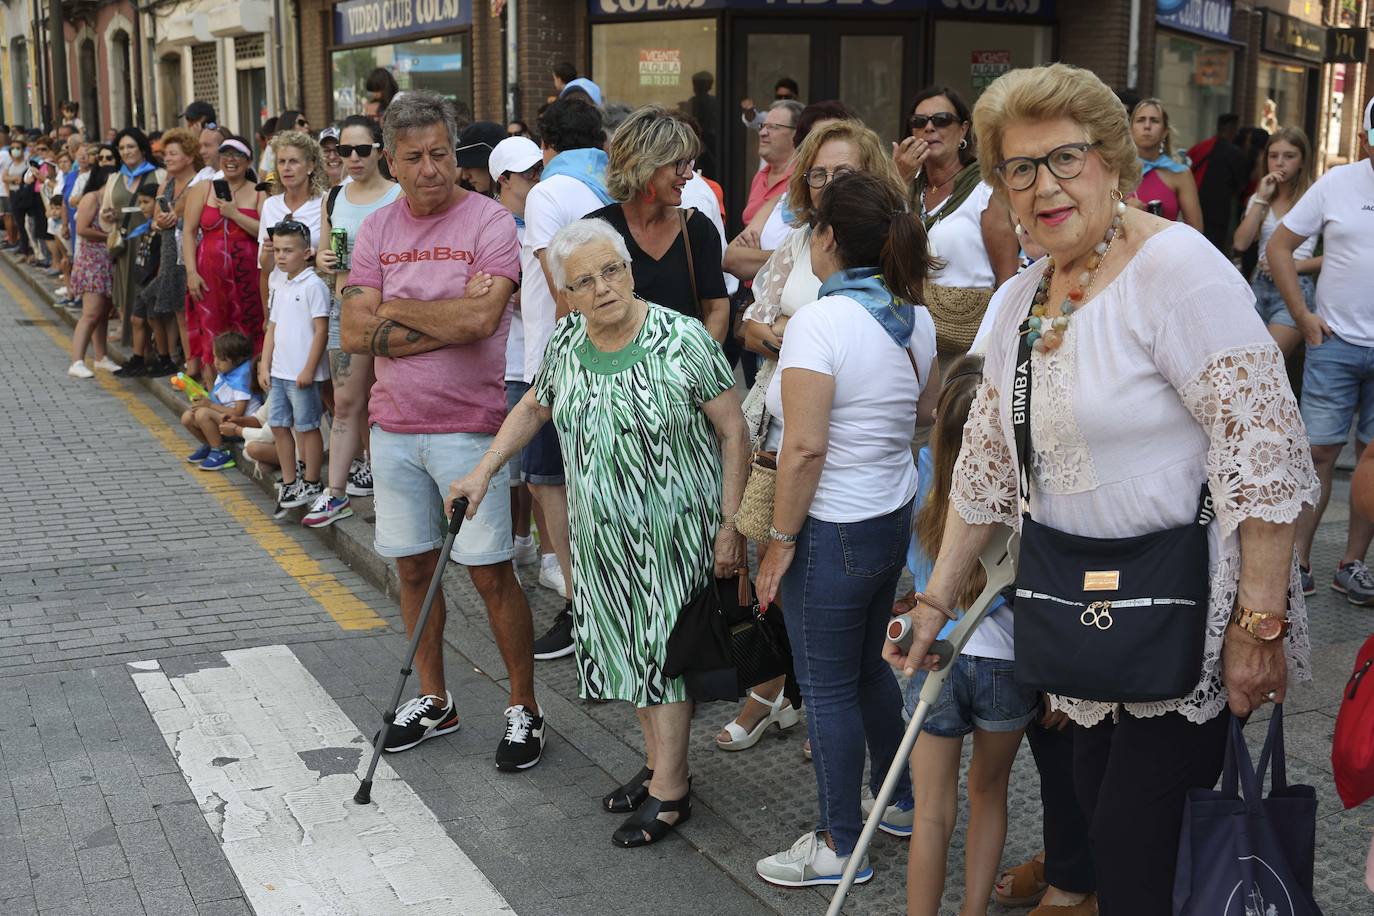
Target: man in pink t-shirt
x,y
429,296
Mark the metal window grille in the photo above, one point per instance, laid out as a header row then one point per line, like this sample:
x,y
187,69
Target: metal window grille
x,y
205,73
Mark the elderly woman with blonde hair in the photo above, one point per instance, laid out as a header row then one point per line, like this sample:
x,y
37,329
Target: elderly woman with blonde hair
x,y
1125,372
674,253
656,454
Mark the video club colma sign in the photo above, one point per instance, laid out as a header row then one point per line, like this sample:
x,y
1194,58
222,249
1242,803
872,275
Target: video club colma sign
x,y
368,21
1028,8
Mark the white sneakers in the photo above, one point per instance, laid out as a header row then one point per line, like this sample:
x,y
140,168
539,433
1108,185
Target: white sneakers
x,y
526,551
897,821
551,575
107,364
808,863
78,369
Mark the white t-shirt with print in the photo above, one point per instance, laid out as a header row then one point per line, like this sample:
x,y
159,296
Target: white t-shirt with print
x,y
1340,206
551,205
296,302
868,468
957,239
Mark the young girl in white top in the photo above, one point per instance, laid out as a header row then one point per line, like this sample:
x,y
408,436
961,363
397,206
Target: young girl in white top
x,y
1287,174
980,697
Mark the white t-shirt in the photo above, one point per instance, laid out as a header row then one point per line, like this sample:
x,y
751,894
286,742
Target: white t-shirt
x,y
207,173
5,160
274,210
775,228
515,340
551,205
697,195
295,304
957,239
1266,232
868,468
1340,206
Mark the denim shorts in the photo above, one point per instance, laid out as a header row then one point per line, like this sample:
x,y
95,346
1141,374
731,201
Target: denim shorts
x,y
541,462
1337,380
1269,301
979,693
289,407
515,390
411,473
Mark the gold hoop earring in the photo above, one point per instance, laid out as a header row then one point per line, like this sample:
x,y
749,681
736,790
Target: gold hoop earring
x,y
1116,195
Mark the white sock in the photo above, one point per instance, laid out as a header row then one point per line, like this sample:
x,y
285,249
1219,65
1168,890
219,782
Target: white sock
x,y
524,541
548,561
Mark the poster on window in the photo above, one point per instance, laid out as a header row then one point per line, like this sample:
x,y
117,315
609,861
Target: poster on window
x,y
1212,67
660,66
987,66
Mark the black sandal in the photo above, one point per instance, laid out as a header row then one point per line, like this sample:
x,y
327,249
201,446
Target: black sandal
x,y
630,796
645,821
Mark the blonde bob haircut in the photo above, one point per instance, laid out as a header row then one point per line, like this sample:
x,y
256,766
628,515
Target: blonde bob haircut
x,y
1046,93
872,160
314,160
647,140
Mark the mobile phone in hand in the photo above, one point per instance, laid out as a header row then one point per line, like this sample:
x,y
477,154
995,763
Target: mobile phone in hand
x,y
163,205
221,187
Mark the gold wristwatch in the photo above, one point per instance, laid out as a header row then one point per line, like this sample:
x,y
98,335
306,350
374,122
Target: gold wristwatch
x,y
1266,626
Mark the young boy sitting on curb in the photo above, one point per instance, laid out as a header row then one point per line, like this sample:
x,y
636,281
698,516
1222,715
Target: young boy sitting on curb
x,y
293,364
231,397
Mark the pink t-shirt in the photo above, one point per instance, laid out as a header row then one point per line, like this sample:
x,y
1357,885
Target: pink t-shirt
x,y
457,389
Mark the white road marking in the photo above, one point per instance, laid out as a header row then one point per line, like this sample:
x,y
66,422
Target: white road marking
x,y
273,763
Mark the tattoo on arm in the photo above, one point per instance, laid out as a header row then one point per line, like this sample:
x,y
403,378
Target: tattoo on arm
x,y
413,336
381,340
350,292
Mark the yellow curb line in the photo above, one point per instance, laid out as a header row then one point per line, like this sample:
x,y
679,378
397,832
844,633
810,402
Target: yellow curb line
x,y
348,610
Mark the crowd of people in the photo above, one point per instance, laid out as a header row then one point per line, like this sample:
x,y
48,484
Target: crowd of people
x,y
1004,319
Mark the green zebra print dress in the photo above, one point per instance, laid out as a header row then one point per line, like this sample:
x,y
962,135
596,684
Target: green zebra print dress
x,y
644,477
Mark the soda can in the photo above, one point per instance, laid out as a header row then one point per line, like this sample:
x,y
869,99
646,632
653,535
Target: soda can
x,y
338,243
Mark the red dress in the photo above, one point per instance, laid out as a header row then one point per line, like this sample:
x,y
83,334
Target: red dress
x,y
227,261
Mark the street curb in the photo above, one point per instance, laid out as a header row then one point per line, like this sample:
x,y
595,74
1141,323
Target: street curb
x,y
714,837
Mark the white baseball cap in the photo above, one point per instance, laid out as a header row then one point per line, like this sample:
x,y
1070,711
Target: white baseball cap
x,y
1369,117
513,154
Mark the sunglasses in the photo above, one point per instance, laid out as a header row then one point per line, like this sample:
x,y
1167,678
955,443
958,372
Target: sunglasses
x,y
290,226
941,120
362,149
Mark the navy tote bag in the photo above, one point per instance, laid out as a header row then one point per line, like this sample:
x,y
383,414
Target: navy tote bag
x,y
1244,854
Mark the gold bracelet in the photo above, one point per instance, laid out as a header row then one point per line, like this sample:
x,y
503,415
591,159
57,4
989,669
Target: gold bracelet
x,y
923,598
500,457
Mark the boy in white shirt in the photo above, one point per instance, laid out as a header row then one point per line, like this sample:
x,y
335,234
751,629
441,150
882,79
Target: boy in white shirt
x,y
293,363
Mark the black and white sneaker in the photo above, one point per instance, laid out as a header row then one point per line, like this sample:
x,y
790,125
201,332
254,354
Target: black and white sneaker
x,y
419,720
286,494
558,640
523,743
359,478
298,493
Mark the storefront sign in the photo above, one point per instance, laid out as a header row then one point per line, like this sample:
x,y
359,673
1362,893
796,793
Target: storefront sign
x,y
1211,18
1029,9
987,66
660,66
1288,35
368,21
1346,46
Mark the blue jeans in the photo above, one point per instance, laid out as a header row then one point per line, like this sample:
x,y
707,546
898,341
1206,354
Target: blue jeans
x,y
838,596
1337,381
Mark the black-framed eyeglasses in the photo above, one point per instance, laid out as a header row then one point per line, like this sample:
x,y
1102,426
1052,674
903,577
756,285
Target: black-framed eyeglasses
x,y
818,177
765,127
346,150
683,168
941,120
611,274
1064,162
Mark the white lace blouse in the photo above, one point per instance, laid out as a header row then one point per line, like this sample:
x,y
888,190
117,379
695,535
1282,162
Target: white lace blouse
x,y
1166,375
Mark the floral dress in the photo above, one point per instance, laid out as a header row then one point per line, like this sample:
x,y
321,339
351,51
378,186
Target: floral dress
x,y
91,272
644,478
1164,378
227,261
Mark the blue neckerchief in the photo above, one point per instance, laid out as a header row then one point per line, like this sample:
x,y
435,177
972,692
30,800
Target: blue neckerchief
x,y
587,166
865,286
788,217
238,377
519,221
1167,163
141,229
143,169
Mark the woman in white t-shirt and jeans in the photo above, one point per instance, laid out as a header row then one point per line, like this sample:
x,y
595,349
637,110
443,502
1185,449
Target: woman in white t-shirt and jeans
x,y
1288,172
853,377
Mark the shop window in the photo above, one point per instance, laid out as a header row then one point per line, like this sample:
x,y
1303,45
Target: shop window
x,y
970,55
1281,97
1195,80
670,64
442,64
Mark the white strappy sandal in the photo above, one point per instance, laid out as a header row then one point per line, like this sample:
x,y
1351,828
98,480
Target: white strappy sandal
x,y
780,713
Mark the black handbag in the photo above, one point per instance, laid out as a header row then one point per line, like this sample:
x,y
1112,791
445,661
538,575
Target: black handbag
x,y
759,646
1120,620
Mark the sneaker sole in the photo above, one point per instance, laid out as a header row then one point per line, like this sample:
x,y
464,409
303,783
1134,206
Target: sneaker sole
x,y
557,653
903,833
437,732
357,491
329,520
1358,602
221,467
862,877
517,767
297,503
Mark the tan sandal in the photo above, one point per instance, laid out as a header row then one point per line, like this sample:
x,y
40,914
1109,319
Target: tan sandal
x,y
1028,885
1088,907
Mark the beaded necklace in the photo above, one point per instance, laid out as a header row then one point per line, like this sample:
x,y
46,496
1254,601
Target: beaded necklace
x,y
1046,333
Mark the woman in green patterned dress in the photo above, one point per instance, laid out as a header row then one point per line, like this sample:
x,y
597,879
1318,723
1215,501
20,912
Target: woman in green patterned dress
x,y
636,392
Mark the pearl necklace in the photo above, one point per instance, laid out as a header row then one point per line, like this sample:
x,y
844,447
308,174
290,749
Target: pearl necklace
x,y
1045,332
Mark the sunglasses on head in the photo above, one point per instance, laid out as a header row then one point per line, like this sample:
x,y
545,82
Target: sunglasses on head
x,y
941,120
289,226
362,149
